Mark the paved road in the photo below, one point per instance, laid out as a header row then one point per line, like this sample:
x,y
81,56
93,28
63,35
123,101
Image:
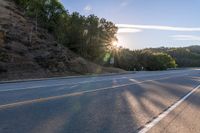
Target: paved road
x,y
166,101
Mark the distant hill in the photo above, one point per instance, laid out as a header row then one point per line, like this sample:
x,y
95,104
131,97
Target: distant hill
x,y
28,54
184,56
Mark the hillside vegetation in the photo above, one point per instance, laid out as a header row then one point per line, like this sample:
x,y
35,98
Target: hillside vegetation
x,y
90,37
143,60
30,51
40,38
158,58
185,56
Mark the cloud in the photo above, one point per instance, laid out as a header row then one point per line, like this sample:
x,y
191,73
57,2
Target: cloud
x,y
87,8
128,30
158,27
186,37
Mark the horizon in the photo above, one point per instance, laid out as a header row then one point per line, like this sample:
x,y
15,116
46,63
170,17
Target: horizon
x,y
172,23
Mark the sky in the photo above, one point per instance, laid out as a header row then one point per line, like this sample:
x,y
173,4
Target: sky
x,y
146,23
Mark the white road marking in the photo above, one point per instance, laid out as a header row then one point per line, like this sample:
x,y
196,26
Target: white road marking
x,y
77,93
83,82
73,86
165,113
57,85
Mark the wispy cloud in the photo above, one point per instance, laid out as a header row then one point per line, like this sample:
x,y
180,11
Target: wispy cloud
x,y
158,27
87,8
186,37
128,30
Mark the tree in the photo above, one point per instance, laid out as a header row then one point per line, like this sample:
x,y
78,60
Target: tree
x,y
92,37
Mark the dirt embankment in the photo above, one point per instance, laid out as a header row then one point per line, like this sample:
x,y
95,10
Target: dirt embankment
x,y
27,53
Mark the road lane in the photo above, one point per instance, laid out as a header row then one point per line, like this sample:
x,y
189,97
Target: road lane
x,y
125,109
184,119
75,81
9,100
7,97
165,113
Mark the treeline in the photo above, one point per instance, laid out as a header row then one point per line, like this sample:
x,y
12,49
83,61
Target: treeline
x,y
143,60
91,37
184,56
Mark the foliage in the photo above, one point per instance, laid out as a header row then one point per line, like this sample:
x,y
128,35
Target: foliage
x,y
185,57
144,60
90,37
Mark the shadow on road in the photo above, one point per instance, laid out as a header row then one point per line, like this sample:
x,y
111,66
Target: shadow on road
x,y
125,109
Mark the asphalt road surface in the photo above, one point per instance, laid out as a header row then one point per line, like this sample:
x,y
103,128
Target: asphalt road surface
x,y
155,102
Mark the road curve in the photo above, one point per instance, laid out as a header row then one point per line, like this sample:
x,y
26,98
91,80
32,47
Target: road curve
x,y
125,103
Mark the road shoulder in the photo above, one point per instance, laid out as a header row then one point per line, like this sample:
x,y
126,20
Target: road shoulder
x,y
184,119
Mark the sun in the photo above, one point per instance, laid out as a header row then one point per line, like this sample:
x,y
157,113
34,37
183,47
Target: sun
x,y
119,42
116,47
115,43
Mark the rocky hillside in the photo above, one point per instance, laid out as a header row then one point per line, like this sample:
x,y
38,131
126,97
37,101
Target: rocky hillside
x,y
29,53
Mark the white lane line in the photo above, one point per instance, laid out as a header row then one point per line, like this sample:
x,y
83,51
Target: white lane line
x,y
57,85
165,113
83,82
77,93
